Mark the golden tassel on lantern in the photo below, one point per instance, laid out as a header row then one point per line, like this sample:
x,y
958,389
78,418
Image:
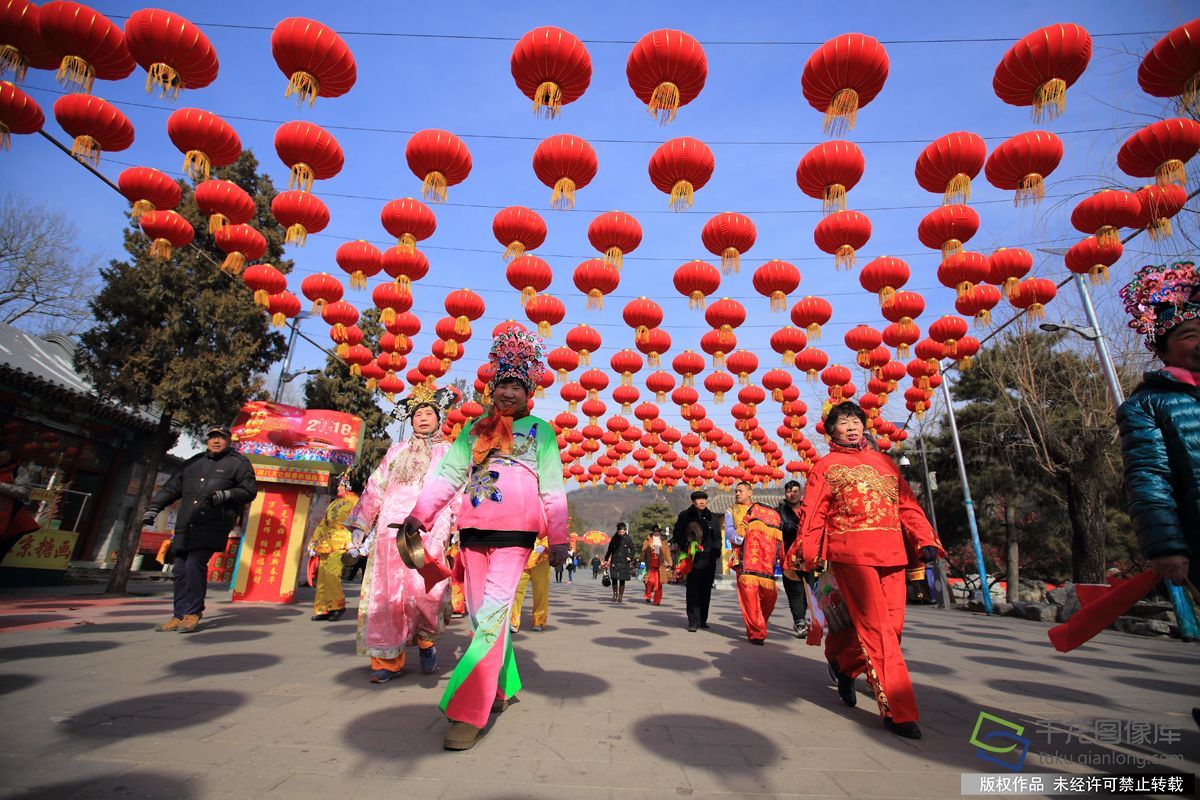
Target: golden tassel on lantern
x,y
279,319
595,299
387,315
1159,228
196,165
789,358
261,298
407,243
302,176
653,359
296,234
811,375
1050,99
544,329
234,263
613,256
372,384
318,304
660,397
166,78
403,281
863,359
216,221
563,196
963,287
951,247
718,360
682,195
814,331
951,346
433,188
12,61
585,358
718,398
664,102
833,198
1030,190
983,319
965,363
958,190
86,149
358,280
688,380
696,299
139,206
842,113
778,301
342,349
843,258
160,248
451,348
74,71
514,250
1098,274
547,100
730,262
1108,235
571,406
304,86
744,380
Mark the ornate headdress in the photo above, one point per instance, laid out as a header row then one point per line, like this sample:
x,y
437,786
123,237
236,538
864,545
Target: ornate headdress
x,y
423,394
517,354
1160,297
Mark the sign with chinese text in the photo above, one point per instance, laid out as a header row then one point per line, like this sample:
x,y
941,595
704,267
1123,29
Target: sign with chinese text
x,y
269,558
43,549
296,437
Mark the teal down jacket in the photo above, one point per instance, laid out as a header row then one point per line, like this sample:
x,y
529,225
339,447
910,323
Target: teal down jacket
x,y
1160,440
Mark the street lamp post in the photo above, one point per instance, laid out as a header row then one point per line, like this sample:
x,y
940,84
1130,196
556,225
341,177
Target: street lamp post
x,y
940,571
284,375
967,502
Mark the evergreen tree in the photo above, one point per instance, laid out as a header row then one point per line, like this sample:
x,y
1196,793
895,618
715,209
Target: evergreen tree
x,y
180,335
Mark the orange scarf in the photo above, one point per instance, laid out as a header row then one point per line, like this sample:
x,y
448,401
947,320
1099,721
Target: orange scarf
x,y
493,432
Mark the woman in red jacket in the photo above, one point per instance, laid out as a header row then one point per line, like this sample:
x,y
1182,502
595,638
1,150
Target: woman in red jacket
x,y
861,517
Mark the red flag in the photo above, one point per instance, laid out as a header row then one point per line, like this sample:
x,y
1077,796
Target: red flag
x,y
1100,611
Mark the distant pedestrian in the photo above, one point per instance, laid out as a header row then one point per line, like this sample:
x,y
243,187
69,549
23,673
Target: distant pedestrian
x,y
572,563
696,523
595,567
558,572
656,554
789,516
330,541
618,559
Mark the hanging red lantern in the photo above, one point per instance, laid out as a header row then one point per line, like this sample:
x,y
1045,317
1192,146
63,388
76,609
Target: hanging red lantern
x,y
679,168
842,233
404,266
175,53
716,343
167,230
322,289
264,280
447,330
519,230
566,164
725,314
21,43
775,280
1032,294
439,159
776,381
205,139
687,365
241,244
1008,265
902,336
409,220
19,114
301,213
224,202
947,165
316,61
1038,69
529,275
862,339
1021,164
146,188
585,340
642,314
1092,257
963,270
696,280
742,363
1157,205
360,260
836,378
828,171
343,335
1104,213
1161,150
931,352
718,383
391,300
656,342
551,68
661,383
787,342
614,233
947,228
842,76
309,151
562,360
811,361
811,313
465,306
546,310
593,381
978,302
968,347
625,363
946,331
666,70
404,327
626,396
373,373
903,307
96,125
728,235
86,44
883,276
282,307
596,278
1172,67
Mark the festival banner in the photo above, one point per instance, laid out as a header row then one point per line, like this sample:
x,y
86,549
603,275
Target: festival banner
x,y
270,551
42,549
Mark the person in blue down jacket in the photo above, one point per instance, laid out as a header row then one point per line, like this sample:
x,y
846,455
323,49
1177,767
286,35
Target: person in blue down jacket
x,y
1160,422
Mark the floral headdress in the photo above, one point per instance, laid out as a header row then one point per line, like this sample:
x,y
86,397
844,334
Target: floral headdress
x,y
1160,297
517,354
423,394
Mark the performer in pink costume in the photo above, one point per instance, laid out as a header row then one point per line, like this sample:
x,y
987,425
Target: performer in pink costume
x,y
394,609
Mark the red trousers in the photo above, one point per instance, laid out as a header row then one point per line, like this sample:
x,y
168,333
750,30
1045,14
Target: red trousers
x,y
653,586
757,597
875,598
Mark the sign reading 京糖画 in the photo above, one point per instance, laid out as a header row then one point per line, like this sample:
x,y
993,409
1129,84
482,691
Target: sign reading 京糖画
x,y
42,549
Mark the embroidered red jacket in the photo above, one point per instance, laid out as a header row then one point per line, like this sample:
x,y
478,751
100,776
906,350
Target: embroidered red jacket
x,y
858,509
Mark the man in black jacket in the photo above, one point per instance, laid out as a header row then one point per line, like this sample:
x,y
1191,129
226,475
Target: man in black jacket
x,y
704,565
211,487
789,515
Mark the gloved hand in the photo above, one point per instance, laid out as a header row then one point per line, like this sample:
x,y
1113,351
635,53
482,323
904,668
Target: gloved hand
x,y
929,554
410,526
559,554
148,517
219,497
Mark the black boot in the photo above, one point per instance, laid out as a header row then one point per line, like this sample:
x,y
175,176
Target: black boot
x,y
334,616
845,685
909,730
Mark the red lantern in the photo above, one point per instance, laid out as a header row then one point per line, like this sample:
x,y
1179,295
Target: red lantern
x,y
642,315
626,396
978,302
718,383
96,125
660,383
316,61
360,260
666,70
696,280
625,363
883,276
679,168
86,44
1172,67
391,300
322,289
1104,213
528,275
585,340
21,43
902,336
465,306
409,220
842,76
828,171
373,373
404,327
404,266
656,342
551,68
309,151
687,365
810,360
175,53
1092,257
1161,149
593,381
614,234
1008,265
282,307
340,315
837,378
264,280
787,342
147,189
947,228
728,235
1032,294
1022,163
842,233
1038,69
566,164
519,230
725,315
946,331
167,230
595,278
562,360
903,307
717,343
301,213
811,313
205,139
862,339
1157,204
963,270
776,381
947,165
224,202
742,363
931,352
968,347
546,310
439,159
20,114
776,280
241,244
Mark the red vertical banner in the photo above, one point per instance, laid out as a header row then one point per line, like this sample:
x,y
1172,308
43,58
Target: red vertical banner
x,y
274,534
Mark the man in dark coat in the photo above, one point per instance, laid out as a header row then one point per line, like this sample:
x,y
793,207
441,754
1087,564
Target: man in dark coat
x,y
789,515
212,487
697,523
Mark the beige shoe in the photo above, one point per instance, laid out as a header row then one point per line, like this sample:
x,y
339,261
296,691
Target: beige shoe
x,y
189,623
170,625
461,736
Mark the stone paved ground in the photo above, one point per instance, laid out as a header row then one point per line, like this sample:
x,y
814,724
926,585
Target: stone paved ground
x,y
620,702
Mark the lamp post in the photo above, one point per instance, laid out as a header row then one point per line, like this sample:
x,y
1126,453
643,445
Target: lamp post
x,y
284,375
940,565
968,504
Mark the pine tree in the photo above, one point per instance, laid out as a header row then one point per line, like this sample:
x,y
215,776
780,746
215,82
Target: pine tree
x,y
180,336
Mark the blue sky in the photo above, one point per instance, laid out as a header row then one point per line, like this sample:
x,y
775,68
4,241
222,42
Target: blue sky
x,y
752,96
